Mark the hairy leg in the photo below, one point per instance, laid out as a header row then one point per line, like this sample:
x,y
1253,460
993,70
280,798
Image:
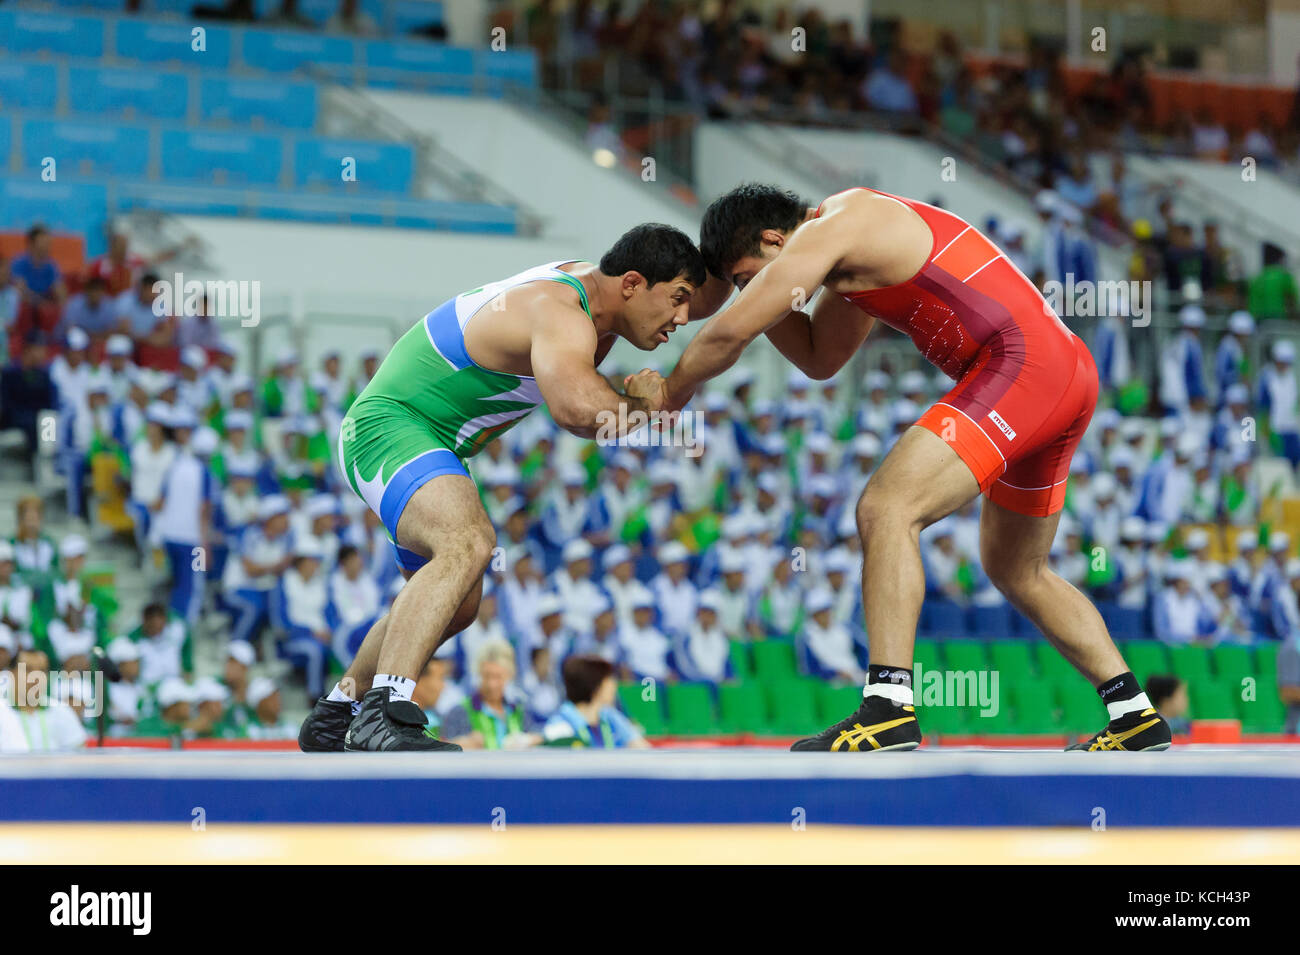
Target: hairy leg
x,y
920,481
445,520
1014,549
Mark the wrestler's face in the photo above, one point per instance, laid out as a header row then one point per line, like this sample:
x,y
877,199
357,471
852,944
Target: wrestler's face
x,y
653,312
743,270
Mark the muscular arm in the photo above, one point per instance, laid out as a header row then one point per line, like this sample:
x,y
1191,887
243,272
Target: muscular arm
x,y
809,255
821,343
564,347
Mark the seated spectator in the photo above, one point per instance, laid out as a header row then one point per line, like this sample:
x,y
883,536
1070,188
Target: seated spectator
x,y
26,390
266,722
48,725
588,716
138,318
174,715
351,19
1168,694
127,697
166,649
703,652
780,603
40,286
15,598
887,89
354,595
645,647
435,693
1288,681
240,658
8,648
253,571
493,717
92,310
540,686
70,639
34,550
10,299
572,583
555,634
828,645
600,639
308,617
1180,613
152,455
675,593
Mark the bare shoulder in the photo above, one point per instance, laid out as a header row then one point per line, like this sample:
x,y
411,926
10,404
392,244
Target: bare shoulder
x,y
888,239
552,310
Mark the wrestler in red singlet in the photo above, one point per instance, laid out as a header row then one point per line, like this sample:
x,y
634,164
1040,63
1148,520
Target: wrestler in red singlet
x,y
1026,385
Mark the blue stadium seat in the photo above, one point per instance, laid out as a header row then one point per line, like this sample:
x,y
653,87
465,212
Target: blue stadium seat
x,y
26,31
274,102
991,623
148,41
6,142
86,147
409,14
63,206
149,93
514,66
33,86
385,167
221,158
943,618
1127,623
426,65
283,51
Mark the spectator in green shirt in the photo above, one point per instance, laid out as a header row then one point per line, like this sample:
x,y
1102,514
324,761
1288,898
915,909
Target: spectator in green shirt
x,y
1273,292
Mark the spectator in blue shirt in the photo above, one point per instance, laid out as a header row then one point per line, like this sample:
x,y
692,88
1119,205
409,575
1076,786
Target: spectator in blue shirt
x,y
588,717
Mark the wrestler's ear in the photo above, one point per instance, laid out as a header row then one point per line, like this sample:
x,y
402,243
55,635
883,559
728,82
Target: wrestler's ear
x,y
773,237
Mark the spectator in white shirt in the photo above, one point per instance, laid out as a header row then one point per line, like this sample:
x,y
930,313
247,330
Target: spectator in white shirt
x,y
573,584
703,652
151,456
675,593
1180,615
251,573
48,725
354,596
307,615
828,645
15,598
645,647
184,517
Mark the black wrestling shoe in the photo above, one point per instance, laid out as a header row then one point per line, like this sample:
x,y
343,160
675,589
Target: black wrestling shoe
x,y
879,724
1133,732
387,725
325,726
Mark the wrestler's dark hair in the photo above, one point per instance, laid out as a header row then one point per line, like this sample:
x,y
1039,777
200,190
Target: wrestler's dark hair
x,y
733,223
659,252
583,676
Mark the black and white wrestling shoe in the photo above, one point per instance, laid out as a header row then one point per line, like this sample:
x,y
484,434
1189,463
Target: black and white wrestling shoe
x,y
387,725
325,726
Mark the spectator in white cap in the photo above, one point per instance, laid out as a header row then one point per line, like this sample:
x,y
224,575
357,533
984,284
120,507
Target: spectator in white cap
x,y
193,387
572,583
620,581
703,652
826,645
68,587
284,392
1231,367
1279,400
1268,588
15,597
235,674
118,371
566,509
1131,566
675,593
553,633
265,699
308,619
71,638
1284,608
646,649
253,570
1181,616
174,714
1182,365
520,592
127,696
1243,567
152,455
1235,429
1227,610
320,522
780,602
211,702
329,388
737,614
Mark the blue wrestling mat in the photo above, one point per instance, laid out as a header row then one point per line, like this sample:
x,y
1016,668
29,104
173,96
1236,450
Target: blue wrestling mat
x,y
1206,787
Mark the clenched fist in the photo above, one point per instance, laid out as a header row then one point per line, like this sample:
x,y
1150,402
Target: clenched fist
x,y
649,386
